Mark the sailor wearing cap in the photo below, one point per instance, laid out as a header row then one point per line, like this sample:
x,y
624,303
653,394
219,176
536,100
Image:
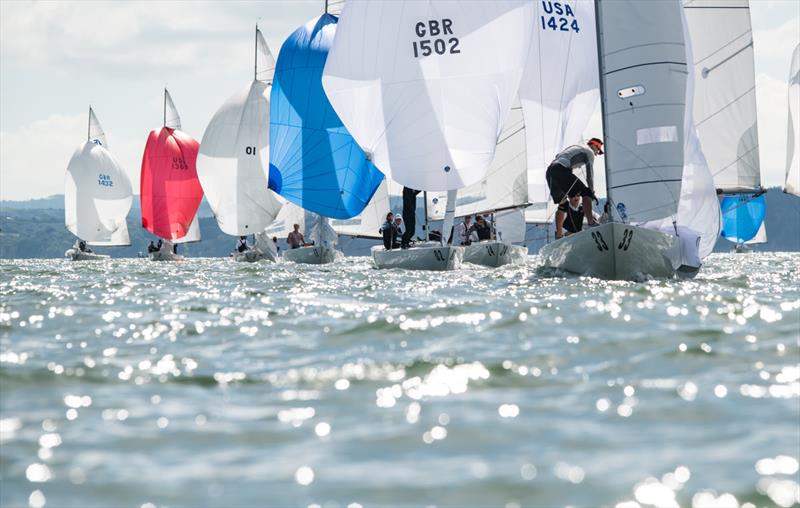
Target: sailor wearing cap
x,y
564,184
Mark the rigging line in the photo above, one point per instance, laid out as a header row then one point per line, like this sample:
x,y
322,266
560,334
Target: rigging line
x,y
738,159
749,31
645,64
560,126
707,71
723,108
646,166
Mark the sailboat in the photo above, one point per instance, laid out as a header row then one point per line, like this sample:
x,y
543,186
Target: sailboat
x,y
664,214
170,190
725,113
792,185
97,196
501,195
317,166
232,164
425,88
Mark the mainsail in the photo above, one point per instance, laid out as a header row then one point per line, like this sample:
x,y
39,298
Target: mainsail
x,y
643,74
725,92
170,190
425,86
559,91
725,103
97,192
233,161
318,165
792,185
505,185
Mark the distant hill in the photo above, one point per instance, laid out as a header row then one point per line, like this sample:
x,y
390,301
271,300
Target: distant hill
x,y
56,202
36,229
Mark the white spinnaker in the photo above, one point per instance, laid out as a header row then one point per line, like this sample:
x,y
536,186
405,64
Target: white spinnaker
x,y
643,79
369,221
559,92
792,185
233,163
265,62
171,117
314,227
425,86
725,91
505,184
96,130
698,209
97,196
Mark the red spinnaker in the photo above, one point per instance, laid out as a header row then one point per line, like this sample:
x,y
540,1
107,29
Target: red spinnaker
x,y
170,190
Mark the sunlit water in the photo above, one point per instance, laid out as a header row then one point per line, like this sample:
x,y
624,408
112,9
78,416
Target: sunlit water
x,y
211,383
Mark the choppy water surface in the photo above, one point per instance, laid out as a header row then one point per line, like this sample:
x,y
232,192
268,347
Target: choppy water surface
x,y
211,383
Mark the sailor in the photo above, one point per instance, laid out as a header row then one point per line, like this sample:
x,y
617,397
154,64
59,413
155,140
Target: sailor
x,y
574,216
481,228
82,246
295,238
409,215
277,247
241,245
152,247
159,244
462,232
174,248
387,231
564,184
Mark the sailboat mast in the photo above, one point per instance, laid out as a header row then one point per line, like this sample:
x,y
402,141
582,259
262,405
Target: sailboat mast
x,y
165,107
255,54
601,70
89,125
326,6
425,206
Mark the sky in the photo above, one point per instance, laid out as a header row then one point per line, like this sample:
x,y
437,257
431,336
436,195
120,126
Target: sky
x,y
57,58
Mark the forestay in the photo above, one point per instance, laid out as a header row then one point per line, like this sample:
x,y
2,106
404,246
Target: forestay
x,y
97,193
559,91
505,184
792,185
233,161
425,86
170,190
643,81
725,92
316,162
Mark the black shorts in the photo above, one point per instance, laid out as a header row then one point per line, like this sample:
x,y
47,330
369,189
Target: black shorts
x,y
563,182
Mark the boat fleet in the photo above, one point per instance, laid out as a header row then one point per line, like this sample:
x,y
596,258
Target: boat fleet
x,y
468,103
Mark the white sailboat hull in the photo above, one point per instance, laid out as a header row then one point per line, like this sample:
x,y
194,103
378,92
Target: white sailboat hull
x,y
431,256
312,255
495,253
616,251
77,255
164,256
253,255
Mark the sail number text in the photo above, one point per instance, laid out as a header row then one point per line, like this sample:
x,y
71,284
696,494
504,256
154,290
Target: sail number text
x,y
179,163
104,180
558,16
250,150
435,36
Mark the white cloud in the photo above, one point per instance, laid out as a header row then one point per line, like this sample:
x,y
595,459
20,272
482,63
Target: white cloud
x,y
34,158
